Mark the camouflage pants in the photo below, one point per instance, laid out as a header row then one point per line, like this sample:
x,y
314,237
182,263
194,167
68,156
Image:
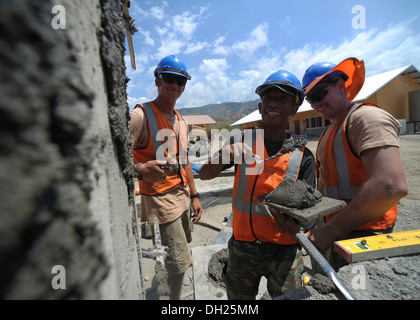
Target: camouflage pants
x,y
282,265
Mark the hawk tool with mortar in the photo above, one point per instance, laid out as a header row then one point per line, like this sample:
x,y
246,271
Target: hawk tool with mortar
x,y
305,217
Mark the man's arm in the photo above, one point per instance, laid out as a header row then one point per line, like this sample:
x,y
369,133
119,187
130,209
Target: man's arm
x,y
198,209
212,168
230,154
384,187
139,131
217,163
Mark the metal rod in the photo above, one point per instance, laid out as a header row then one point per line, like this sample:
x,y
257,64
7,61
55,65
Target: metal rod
x,y
323,263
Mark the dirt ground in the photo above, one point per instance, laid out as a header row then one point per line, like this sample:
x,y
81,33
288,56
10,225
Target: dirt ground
x,y
389,278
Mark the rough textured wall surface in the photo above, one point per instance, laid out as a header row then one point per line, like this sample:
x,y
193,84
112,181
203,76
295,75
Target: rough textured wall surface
x,y
65,179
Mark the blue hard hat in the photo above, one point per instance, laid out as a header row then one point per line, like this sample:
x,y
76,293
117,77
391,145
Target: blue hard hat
x,y
172,64
318,69
285,81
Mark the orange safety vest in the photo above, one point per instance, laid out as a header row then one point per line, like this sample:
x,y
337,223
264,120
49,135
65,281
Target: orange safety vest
x,y
344,173
251,219
165,145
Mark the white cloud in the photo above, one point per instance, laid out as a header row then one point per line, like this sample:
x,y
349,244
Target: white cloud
x,y
184,24
211,81
175,35
195,95
213,65
222,50
132,102
219,48
194,47
214,71
245,49
161,31
382,51
169,46
147,38
219,41
257,39
159,12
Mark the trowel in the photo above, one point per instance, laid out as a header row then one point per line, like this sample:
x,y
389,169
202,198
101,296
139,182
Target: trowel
x,y
305,217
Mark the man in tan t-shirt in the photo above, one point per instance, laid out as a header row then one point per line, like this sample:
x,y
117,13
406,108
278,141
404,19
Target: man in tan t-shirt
x,y
166,178
358,158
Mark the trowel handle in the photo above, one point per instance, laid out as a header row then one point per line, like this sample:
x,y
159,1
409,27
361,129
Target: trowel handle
x,y
304,225
323,263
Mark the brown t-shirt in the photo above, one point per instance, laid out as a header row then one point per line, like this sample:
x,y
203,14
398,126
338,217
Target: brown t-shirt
x,y
169,206
368,127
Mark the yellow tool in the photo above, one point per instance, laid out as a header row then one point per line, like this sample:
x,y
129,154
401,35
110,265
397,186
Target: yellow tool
x,y
375,247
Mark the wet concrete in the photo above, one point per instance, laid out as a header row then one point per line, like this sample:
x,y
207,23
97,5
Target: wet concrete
x,y
293,195
217,264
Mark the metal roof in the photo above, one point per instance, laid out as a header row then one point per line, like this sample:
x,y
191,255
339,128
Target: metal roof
x,y
375,83
372,84
199,119
253,116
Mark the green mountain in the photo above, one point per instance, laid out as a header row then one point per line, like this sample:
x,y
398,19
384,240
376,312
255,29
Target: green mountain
x,y
223,112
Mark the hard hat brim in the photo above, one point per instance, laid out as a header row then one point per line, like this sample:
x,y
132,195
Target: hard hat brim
x,y
174,71
353,68
285,88
265,89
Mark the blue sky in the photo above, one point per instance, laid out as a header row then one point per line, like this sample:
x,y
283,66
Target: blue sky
x,y
231,46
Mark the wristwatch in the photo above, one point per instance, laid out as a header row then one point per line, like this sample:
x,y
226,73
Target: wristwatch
x,y
197,195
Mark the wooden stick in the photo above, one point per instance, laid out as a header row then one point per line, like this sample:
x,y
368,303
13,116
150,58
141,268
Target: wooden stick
x,y
126,16
215,224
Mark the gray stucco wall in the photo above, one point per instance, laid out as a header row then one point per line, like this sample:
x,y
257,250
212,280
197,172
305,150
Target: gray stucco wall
x,y
66,183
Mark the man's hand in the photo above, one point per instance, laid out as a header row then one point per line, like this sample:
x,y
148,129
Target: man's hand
x,y
239,152
321,237
284,223
198,209
155,170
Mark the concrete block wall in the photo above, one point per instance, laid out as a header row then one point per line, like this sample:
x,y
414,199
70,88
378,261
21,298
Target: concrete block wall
x,y
66,184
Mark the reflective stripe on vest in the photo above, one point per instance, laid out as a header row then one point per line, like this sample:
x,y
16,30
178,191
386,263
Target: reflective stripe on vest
x,y
156,137
147,107
240,202
162,150
344,190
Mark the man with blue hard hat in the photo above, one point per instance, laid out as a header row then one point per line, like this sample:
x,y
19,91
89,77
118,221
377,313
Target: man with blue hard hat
x,y
358,158
159,136
260,245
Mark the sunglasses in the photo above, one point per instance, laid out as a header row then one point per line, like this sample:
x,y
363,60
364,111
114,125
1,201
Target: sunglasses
x,y
317,96
171,79
320,93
